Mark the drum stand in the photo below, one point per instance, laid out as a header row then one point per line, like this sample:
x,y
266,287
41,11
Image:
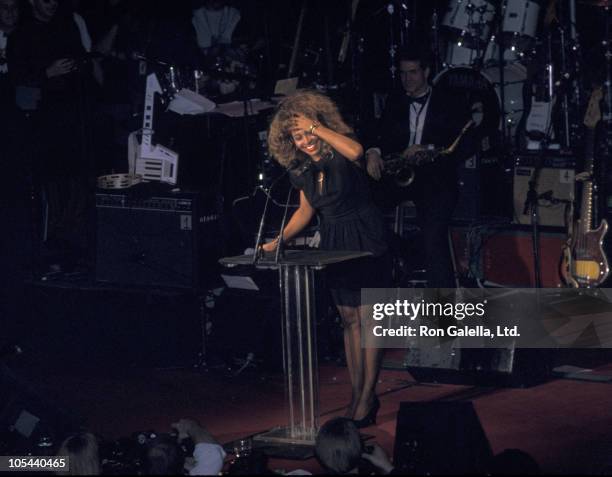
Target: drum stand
x,y
565,101
435,28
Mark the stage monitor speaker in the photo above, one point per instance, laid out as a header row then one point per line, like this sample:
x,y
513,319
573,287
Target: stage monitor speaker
x,y
558,182
440,438
163,240
494,366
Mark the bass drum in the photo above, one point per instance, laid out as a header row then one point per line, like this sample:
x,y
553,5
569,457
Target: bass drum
x,y
515,76
480,94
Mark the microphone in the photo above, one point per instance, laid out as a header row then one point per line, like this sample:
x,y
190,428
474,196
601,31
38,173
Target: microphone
x,y
548,195
299,167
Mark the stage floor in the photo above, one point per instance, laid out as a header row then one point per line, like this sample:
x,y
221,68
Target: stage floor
x,y
565,424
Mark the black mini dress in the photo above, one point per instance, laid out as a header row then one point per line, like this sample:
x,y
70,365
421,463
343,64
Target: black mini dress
x,y
338,190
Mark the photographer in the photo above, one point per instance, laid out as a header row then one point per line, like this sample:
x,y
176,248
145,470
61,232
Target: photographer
x,y
339,450
208,455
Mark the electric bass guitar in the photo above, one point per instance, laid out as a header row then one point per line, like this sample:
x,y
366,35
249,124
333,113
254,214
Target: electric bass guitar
x,y
584,263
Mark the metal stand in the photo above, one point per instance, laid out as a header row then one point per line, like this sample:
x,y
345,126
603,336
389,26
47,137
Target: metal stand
x,y
297,288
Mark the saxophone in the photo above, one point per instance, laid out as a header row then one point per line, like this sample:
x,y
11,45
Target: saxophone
x,y
402,168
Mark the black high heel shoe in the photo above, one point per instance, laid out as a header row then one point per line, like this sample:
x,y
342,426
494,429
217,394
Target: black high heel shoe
x,y
370,418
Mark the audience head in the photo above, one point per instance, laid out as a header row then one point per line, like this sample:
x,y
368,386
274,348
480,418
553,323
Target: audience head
x,y
338,446
514,462
164,457
44,10
82,450
9,15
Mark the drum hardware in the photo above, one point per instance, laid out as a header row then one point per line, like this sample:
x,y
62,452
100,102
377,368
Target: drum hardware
x,y
392,45
468,27
436,40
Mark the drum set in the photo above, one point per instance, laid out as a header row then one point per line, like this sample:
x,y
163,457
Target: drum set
x,y
487,46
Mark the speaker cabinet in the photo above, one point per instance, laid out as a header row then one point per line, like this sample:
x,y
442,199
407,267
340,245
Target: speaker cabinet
x,y
558,183
165,240
487,367
483,190
440,438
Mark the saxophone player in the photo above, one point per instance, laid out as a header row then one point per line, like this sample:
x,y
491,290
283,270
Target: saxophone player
x,y
417,118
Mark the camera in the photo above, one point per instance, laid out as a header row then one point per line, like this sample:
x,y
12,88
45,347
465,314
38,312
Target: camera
x,y
128,455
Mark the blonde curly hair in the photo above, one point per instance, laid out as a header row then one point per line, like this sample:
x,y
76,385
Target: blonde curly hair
x,y
311,104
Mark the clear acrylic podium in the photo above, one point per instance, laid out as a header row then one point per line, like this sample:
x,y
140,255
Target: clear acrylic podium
x,y
297,290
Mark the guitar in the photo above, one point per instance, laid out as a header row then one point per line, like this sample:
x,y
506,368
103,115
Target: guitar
x,y
584,263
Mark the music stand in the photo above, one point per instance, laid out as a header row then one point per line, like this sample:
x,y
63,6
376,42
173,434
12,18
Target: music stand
x,y
297,288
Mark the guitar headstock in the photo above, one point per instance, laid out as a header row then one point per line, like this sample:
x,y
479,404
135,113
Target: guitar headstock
x,y
593,112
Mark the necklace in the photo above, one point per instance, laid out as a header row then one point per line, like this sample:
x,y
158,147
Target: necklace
x,y
320,180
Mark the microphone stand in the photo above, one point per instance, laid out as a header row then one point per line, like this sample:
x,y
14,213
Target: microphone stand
x,y
279,247
532,206
256,253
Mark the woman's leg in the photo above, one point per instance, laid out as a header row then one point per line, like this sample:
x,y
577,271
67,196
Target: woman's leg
x,y
354,356
372,358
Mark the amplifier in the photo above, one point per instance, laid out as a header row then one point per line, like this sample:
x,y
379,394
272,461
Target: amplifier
x,y
557,177
164,240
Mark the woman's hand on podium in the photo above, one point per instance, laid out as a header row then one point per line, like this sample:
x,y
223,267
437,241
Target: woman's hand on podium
x,y
270,246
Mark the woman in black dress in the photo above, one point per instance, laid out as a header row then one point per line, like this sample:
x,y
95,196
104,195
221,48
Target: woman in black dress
x,y
309,137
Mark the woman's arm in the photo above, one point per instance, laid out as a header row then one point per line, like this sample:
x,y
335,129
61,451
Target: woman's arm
x,y
298,222
346,146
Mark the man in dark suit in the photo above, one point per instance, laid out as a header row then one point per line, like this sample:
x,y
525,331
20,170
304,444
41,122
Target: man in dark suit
x,y
418,118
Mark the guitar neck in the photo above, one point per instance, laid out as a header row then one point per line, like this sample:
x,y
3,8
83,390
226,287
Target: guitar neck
x,y
586,203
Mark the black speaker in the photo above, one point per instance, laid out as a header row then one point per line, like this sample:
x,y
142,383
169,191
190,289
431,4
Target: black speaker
x,y
483,191
440,438
165,240
493,366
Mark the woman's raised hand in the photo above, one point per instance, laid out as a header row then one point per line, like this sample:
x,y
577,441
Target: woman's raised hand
x,y
302,122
